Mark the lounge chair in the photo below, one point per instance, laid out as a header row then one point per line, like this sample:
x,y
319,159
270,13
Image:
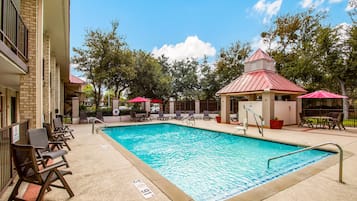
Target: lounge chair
x,y
44,148
178,115
162,116
83,117
206,115
304,120
56,136
99,115
59,127
243,127
28,171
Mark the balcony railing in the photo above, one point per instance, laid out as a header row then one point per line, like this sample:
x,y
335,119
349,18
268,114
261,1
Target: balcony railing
x,y
7,135
13,31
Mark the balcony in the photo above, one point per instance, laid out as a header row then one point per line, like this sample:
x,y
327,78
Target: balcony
x,y
13,35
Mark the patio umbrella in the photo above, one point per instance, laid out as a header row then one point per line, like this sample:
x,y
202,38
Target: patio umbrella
x,y
138,100
322,94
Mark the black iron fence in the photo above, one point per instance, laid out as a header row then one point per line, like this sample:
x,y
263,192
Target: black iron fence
x,y
14,133
13,31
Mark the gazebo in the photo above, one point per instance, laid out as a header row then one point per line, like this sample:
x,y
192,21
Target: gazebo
x,y
264,91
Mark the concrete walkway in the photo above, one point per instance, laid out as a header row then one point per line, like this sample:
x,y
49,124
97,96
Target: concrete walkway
x,y
101,172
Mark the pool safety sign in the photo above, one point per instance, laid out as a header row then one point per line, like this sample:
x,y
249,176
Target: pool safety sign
x,y
143,188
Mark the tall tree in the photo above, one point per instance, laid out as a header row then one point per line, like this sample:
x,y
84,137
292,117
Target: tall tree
x,y
311,54
230,63
185,79
96,58
209,80
150,80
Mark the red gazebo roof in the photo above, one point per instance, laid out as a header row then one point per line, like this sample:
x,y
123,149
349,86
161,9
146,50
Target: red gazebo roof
x,y
322,94
258,55
261,80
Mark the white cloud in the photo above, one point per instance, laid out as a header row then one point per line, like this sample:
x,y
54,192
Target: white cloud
x,y
268,9
352,4
311,3
192,47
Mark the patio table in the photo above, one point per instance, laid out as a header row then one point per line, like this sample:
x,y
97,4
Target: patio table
x,y
321,121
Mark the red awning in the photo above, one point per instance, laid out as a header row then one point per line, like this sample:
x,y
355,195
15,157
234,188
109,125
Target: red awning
x,y
138,100
156,100
322,94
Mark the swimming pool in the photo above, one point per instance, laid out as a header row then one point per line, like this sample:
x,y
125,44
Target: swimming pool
x,y
209,165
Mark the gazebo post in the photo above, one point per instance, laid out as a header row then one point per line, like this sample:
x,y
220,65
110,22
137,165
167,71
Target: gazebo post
x,y
225,108
268,99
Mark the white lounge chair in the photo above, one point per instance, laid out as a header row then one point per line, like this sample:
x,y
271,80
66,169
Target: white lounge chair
x,y
243,127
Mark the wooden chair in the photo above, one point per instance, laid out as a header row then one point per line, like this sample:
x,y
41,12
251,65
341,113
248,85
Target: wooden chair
x,y
39,140
304,120
28,171
56,135
59,127
162,116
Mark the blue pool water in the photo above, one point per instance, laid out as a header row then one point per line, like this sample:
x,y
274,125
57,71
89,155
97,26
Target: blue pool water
x,y
210,165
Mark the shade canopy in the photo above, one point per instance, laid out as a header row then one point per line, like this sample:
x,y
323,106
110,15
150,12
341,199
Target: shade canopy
x,y
322,94
154,100
138,100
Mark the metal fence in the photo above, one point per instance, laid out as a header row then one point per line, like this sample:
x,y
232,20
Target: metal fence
x,y
15,132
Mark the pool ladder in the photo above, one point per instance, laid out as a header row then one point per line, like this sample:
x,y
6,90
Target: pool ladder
x,y
313,147
93,124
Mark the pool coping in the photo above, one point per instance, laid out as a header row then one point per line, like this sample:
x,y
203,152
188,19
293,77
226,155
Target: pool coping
x,y
260,192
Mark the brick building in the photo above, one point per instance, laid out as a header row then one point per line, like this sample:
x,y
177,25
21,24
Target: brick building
x,y
34,60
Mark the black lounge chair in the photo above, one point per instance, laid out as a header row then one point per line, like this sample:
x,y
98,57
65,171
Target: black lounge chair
x,y
56,135
28,171
162,116
45,149
206,115
178,115
59,127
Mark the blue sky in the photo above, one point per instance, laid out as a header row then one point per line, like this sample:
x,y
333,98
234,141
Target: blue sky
x,y
191,28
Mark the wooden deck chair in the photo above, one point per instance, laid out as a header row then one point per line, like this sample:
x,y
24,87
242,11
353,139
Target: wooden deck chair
x,y
28,171
39,140
244,126
178,115
59,127
56,135
304,120
83,117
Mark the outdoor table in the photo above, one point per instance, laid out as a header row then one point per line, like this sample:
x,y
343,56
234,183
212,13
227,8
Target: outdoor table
x,y
320,120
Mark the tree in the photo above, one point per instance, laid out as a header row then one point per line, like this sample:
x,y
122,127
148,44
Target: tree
x,y
209,81
294,37
311,54
96,57
184,79
150,80
230,63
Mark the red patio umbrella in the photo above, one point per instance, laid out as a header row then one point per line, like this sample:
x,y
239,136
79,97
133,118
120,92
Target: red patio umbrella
x,y
138,100
322,94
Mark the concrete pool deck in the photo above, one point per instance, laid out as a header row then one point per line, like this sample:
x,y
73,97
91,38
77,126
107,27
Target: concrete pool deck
x,y
101,172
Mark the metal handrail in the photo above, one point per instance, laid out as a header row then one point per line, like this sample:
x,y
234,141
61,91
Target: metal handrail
x,y
97,120
313,147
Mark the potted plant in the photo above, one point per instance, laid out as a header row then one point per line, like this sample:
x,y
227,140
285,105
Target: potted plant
x,y
276,123
218,118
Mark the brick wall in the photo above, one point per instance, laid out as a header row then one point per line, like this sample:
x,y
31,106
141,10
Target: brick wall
x,y
30,97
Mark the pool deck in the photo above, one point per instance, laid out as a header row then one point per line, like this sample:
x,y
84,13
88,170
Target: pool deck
x,y
102,172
